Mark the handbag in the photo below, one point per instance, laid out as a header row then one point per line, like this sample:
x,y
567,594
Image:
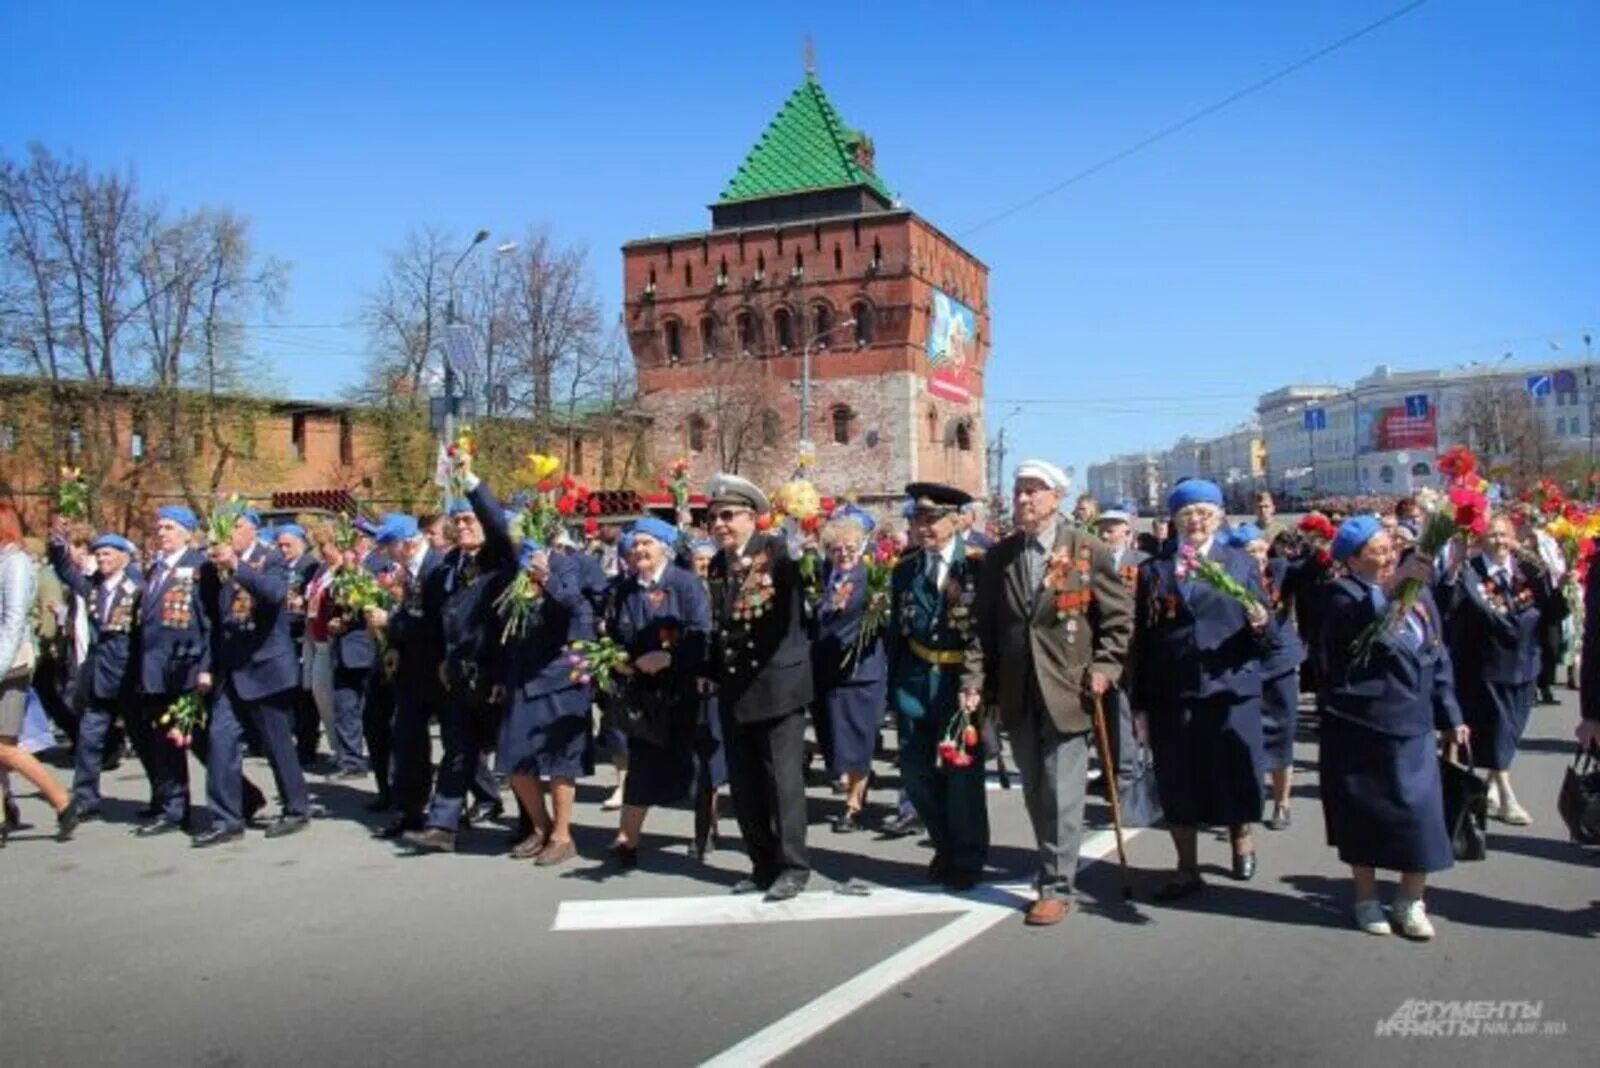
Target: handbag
x,y
1466,806
1136,792
646,711
1579,800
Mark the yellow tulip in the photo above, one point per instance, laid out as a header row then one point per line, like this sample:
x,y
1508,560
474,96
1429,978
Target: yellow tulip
x,y
541,467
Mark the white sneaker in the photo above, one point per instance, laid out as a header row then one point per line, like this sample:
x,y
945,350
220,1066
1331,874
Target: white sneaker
x,y
1411,921
613,801
1514,814
1370,917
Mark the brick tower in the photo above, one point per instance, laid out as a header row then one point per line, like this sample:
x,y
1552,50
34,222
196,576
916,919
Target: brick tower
x,y
809,252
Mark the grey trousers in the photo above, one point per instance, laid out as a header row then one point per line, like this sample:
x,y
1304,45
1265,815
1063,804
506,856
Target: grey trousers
x,y
1054,769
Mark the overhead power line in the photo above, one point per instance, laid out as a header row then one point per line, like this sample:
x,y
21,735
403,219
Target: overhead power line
x,y
1203,113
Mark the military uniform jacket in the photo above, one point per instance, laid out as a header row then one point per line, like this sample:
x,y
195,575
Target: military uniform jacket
x,y
1405,686
470,582
931,632
1078,620
416,640
761,659
174,627
301,572
1499,625
250,643
1287,651
674,616
110,670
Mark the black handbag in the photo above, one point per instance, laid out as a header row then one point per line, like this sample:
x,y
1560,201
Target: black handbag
x,y
1466,807
1136,792
1579,800
647,711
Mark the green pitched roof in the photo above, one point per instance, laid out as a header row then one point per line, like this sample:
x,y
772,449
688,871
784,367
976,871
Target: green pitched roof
x,y
807,147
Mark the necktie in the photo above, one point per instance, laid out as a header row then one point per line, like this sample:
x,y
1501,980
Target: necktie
x,y
935,566
105,605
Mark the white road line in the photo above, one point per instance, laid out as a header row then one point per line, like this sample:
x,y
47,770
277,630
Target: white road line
x,y
725,909
810,1020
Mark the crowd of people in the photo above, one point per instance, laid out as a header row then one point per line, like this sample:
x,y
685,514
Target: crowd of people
x,y
698,657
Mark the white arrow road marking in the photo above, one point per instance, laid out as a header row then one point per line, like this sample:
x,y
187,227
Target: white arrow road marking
x,y
980,910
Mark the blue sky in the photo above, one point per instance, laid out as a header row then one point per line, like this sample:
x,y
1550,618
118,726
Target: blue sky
x,y
1423,197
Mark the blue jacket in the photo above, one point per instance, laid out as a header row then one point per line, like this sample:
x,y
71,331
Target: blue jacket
x,y
1405,687
415,637
250,643
355,649
110,671
1191,641
1287,651
1496,635
839,627
468,621
676,616
534,662
174,628
301,572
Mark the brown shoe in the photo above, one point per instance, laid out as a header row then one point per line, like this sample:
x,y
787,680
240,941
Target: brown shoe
x,y
556,853
529,847
1047,912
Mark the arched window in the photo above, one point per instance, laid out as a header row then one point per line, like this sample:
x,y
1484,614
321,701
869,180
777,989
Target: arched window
x,y
709,339
822,325
749,332
933,425
877,254
771,428
1386,474
1421,470
674,340
838,257
697,433
688,276
861,312
963,435
783,329
842,418
761,266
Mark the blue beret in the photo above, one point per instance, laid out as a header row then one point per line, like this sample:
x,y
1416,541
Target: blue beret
x,y
703,547
396,527
362,525
251,516
458,506
529,547
625,543
1194,491
178,514
293,529
267,535
1353,534
659,529
113,541
1245,533
858,515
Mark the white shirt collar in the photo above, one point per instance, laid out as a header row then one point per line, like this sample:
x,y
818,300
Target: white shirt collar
x,y
655,579
170,560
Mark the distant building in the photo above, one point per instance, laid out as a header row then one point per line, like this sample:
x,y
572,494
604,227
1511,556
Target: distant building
x,y
1133,477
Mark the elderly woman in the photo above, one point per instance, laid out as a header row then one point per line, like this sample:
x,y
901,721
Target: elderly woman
x,y
662,617
849,667
1494,603
1381,795
18,583
544,738
1198,689
1280,672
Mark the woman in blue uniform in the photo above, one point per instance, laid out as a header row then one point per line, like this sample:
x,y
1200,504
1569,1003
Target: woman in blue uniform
x,y
710,758
662,617
1280,673
1494,604
1381,795
851,678
545,745
1198,688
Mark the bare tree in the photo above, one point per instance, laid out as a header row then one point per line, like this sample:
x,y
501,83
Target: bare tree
x,y
1502,422
556,328
741,413
405,320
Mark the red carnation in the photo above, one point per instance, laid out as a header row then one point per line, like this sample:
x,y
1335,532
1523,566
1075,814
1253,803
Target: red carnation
x,y
969,737
764,522
1573,512
545,485
1319,525
567,483
1458,463
566,505
591,527
1472,510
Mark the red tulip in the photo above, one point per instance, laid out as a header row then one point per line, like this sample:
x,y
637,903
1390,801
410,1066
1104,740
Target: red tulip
x,y
969,737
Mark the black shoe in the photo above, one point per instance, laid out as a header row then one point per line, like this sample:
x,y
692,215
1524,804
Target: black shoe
x,y
962,879
67,821
486,812
625,857
380,803
87,815
1181,887
1546,697
787,885
1280,819
398,827
149,812
157,828
846,823
430,840
218,836
253,808
901,825
284,826
1244,866
751,885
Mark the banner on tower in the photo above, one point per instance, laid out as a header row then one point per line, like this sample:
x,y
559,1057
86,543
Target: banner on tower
x,y
952,344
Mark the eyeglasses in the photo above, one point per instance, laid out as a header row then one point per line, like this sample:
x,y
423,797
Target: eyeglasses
x,y
727,515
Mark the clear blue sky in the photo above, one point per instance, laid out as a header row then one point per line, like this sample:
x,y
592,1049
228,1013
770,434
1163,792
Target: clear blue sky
x,y
1423,197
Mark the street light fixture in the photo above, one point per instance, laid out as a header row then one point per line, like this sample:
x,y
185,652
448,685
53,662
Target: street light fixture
x,y
807,447
449,320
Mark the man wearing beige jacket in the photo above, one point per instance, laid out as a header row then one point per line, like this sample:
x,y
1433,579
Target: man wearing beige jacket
x,y
1052,610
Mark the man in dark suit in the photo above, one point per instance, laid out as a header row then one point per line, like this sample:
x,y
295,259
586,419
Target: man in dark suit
x,y
355,656
761,666
1054,620
255,672
290,540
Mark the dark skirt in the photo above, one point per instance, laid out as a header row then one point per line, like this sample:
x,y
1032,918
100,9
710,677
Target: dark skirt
x,y
547,736
854,711
658,774
1208,761
1381,798
1280,717
710,758
1498,713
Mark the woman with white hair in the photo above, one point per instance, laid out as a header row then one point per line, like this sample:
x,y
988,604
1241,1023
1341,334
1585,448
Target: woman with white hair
x,y
1198,685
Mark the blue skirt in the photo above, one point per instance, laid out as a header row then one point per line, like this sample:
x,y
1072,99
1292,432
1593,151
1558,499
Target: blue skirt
x,y
1498,713
1382,801
547,736
710,758
854,711
1280,717
1208,761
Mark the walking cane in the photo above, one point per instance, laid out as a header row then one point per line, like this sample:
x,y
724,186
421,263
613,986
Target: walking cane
x,y
1109,769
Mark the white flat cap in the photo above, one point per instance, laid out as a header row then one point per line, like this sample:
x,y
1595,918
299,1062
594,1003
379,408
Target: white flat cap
x,y
731,489
1113,515
1045,472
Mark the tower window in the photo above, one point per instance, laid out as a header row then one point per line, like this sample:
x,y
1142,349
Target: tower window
x,y
749,335
838,258
842,418
688,276
771,428
816,237
822,325
697,433
861,311
708,337
877,254
674,341
783,326
963,436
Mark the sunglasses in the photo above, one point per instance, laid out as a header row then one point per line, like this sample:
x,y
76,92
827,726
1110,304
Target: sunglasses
x,y
728,515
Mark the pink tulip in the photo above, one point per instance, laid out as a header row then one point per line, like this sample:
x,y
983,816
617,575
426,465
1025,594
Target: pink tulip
x,y
584,679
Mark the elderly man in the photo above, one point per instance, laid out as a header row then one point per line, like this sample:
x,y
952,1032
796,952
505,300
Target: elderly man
x,y
761,665
1054,613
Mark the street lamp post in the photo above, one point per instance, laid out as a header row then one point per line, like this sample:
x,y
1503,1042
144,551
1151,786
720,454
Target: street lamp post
x,y
807,447
449,320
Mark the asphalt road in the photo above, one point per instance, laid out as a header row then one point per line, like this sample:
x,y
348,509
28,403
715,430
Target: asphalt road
x,y
329,947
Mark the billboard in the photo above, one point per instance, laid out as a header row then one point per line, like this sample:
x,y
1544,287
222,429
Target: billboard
x,y
952,345
1397,427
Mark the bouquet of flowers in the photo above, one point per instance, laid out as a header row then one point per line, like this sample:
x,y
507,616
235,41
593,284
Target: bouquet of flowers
x,y
355,590
466,444
549,503
676,482
223,518
72,498
596,663
1464,508
1202,569
517,603
182,718
880,563
344,535
798,498
958,742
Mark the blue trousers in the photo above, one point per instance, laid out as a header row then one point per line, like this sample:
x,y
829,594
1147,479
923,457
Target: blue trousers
x,y
349,696
461,763
951,801
273,718
412,766
94,728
